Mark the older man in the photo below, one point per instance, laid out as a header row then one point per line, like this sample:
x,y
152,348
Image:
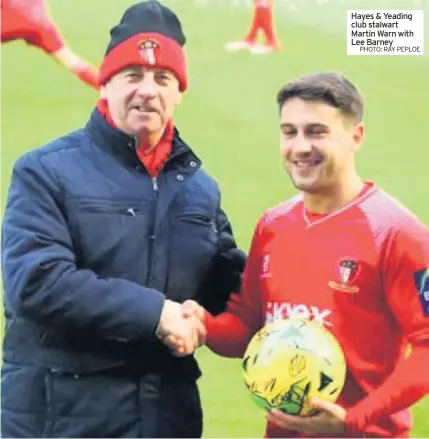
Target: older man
x,y
106,231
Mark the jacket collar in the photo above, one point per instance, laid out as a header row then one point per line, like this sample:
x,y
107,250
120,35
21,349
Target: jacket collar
x,y
123,146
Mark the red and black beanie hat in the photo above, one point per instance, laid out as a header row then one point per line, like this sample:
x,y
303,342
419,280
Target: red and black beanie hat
x,y
149,34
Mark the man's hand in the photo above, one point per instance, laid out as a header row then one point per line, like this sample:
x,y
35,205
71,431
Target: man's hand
x,y
194,314
329,419
191,309
180,332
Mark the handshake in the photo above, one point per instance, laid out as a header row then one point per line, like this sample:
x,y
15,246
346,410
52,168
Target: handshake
x,y
181,327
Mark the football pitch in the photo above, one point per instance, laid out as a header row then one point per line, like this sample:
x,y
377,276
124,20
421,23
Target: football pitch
x,y
230,119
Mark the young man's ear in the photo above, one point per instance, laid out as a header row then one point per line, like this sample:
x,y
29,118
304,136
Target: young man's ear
x,y
358,135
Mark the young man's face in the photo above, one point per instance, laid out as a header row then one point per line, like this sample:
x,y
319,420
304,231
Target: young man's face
x,y
317,144
142,100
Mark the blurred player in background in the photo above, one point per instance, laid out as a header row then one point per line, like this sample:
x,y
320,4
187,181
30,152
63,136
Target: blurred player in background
x,y
31,21
262,22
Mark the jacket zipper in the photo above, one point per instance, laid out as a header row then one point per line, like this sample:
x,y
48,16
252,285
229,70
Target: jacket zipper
x,y
155,184
151,239
151,243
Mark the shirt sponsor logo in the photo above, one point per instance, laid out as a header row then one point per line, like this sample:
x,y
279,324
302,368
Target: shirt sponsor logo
x,y
284,310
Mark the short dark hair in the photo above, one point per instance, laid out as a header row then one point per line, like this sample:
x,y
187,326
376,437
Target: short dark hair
x,y
331,88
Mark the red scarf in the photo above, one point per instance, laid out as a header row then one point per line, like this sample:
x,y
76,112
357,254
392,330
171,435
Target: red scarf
x,y
154,158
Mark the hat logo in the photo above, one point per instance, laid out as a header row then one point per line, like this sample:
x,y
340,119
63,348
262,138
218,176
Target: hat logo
x,y
147,51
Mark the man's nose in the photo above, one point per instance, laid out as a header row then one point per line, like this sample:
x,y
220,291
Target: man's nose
x,y
302,145
147,87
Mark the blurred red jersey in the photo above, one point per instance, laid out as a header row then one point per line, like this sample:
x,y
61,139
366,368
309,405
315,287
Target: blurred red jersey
x,y
29,21
362,271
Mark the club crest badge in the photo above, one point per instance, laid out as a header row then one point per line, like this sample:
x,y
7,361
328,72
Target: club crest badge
x,y
147,50
348,270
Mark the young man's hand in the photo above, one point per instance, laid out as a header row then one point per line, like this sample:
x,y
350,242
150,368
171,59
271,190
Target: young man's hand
x,y
192,316
329,419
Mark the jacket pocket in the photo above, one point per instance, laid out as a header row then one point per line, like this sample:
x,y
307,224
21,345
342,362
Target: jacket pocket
x,y
111,236
193,246
97,404
197,218
129,209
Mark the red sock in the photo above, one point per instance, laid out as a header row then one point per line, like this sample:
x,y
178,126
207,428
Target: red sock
x,y
87,74
256,25
267,27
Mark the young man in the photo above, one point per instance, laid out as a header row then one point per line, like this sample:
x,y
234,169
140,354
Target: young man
x,y
31,21
106,231
344,253
262,22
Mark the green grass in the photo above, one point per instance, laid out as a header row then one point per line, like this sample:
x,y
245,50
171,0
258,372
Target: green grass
x,y
229,117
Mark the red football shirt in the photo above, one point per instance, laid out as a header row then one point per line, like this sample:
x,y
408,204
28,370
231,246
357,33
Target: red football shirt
x,y
30,21
363,272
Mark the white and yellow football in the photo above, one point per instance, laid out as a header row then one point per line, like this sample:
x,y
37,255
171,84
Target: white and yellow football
x,y
290,361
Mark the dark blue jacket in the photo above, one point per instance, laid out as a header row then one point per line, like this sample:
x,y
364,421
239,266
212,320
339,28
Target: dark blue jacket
x,y
91,247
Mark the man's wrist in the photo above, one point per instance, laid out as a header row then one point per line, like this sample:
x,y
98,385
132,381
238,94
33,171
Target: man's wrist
x,y
159,327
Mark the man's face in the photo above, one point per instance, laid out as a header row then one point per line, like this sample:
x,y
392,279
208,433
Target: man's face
x,y
317,144
142,100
